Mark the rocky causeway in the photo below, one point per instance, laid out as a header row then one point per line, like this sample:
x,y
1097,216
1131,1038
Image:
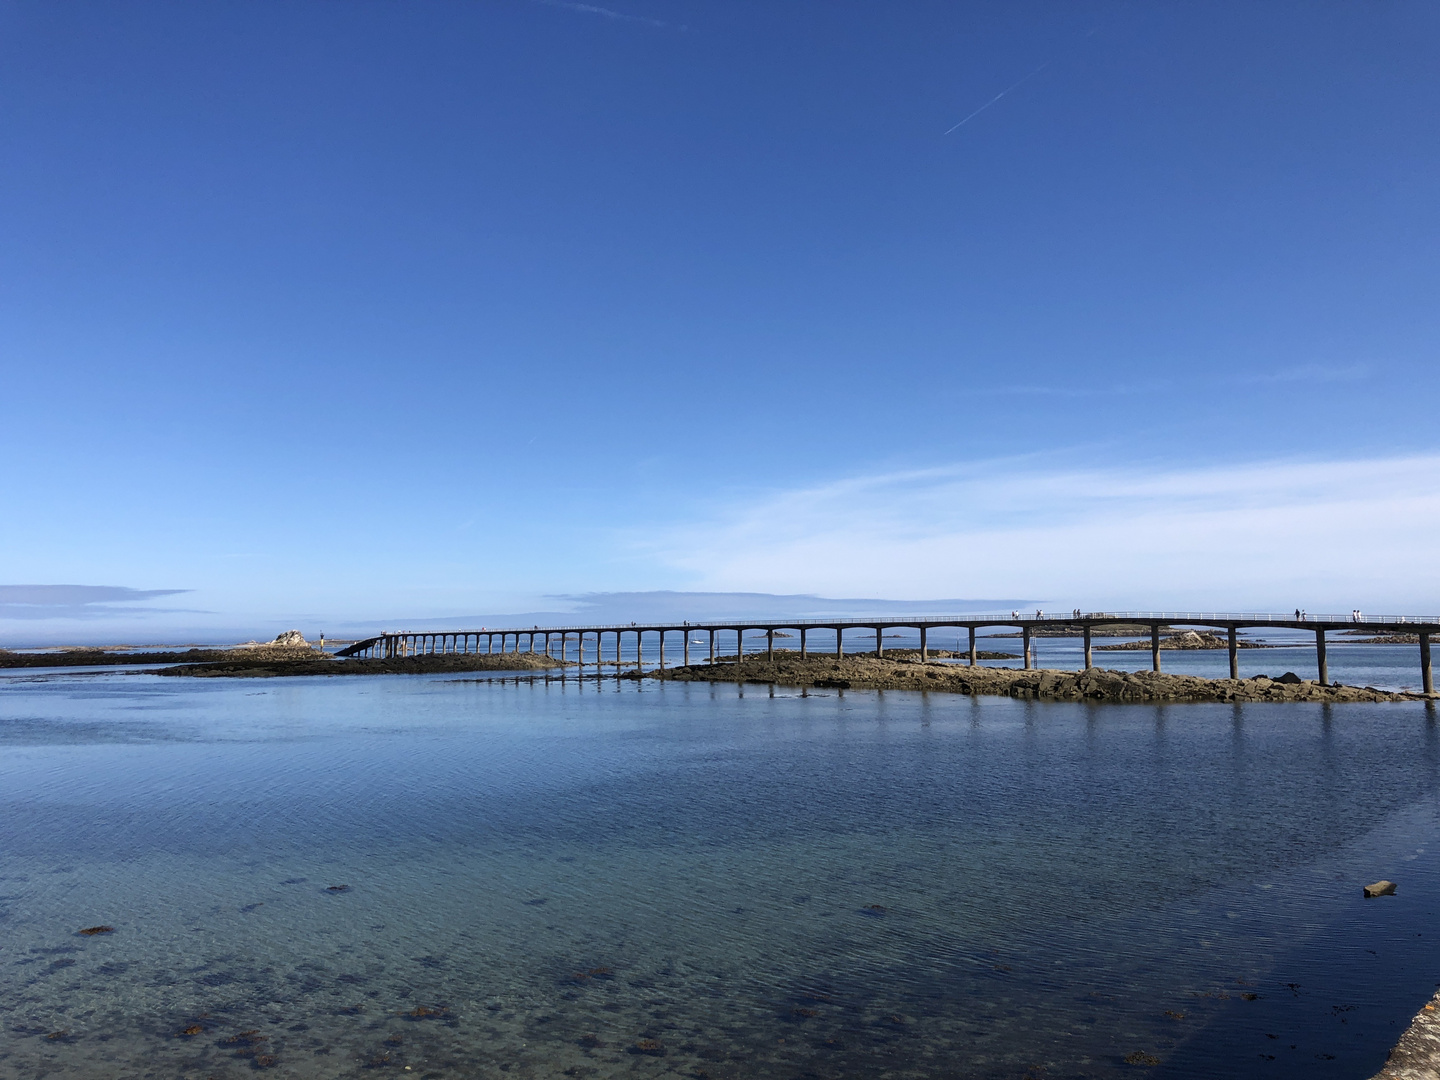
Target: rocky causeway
x,y
862,672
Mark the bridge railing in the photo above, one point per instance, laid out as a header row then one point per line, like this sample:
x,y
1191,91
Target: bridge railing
x,y
951,619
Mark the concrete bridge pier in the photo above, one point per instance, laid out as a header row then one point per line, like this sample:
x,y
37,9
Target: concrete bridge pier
x,y
662,650
972,646
1427,679
924,658
639,653
802,643
687,647
1154,646
712,646
839,642
1320,661
580,651
1089,655
1025,644
739,644
1233,645
770,645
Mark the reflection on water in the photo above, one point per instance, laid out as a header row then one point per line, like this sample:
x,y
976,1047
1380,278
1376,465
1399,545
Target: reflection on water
x,y
450,878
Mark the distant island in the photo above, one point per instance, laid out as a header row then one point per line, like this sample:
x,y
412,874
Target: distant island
x,y
1187,639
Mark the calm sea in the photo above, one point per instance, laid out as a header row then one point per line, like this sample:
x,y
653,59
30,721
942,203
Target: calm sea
x,y
432,877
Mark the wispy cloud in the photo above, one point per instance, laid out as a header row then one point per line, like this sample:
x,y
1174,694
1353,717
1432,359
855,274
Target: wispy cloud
x,y
1307,533
79,601
603,12
1305,373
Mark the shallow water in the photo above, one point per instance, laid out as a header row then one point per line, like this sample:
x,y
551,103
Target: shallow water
x,y
564,878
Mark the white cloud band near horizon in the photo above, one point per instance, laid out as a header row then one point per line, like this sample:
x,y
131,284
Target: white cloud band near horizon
x,y
1331,535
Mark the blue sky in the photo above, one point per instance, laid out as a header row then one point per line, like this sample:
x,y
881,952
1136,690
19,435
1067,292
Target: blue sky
x,y
341,313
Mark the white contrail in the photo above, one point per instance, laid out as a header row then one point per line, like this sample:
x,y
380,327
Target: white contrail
x,y
592,9
998,96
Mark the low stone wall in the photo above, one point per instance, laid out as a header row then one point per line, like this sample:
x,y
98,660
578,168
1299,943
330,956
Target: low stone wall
x,y
260,668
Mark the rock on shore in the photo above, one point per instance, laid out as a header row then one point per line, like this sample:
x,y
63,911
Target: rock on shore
x,y
1417,1055
1188,639
1093,684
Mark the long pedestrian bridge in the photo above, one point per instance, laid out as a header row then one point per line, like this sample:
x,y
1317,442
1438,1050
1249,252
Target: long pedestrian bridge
x,y
1080,624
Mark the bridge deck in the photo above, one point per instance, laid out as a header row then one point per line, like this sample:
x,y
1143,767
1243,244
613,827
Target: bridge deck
x,y
408,643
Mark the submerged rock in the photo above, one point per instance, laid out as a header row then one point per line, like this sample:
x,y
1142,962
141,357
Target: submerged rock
x,y
1380,888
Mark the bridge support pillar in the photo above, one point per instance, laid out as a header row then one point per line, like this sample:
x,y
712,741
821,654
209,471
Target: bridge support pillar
x,y
662,650
639,652
1025,645
1154,646
712,646
686,650
839,642
879,642
739,644
802,643
1320,662
924,659
972,646
1427,678
1089,654
770,645
580,651
1233,646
